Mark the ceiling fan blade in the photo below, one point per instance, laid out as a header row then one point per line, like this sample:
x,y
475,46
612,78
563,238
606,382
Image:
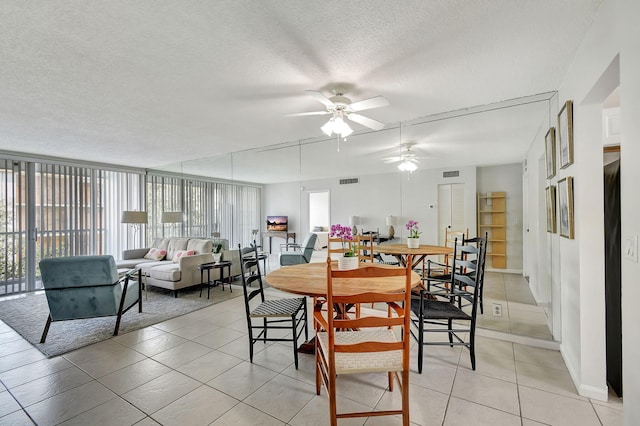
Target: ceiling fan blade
x,y
322,98
375,102
391,159
302,114
366,121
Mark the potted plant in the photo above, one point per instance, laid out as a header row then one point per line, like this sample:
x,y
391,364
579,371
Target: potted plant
x,y
217,255
349,258
413,240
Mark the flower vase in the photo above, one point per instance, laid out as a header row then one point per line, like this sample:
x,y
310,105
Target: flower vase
x,y
217,257
413,243
347,263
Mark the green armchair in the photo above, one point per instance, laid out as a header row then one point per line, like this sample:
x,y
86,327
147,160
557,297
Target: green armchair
x,y
299,256
86,287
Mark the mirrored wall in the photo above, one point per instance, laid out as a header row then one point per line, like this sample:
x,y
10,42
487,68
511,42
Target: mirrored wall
x,y
477,149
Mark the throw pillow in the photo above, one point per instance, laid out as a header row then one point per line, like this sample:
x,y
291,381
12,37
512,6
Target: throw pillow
x,y
180,253
155,254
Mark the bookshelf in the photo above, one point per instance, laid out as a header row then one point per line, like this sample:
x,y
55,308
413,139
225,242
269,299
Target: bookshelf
x,y
492,218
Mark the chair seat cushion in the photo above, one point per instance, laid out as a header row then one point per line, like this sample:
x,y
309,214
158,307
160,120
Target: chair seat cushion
x,y
362,362
278,307
437,309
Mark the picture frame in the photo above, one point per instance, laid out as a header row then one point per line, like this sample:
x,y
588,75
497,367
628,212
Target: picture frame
x,y
551,208
565,207
550,152
565,135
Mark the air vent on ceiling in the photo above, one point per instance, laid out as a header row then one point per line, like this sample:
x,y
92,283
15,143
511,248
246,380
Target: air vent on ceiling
x,y
349,181
454,173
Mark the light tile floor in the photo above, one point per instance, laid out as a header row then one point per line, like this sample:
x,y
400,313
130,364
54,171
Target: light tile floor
x,y
194,370
520,313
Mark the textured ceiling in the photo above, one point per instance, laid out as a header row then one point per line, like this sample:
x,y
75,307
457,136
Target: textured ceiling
x,y
151,83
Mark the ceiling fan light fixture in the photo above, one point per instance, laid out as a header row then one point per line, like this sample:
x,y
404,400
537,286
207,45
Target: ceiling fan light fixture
x,y
328,127
407,166
338,126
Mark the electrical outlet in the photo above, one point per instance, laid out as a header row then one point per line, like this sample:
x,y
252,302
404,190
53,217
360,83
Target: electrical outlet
x,y
497,310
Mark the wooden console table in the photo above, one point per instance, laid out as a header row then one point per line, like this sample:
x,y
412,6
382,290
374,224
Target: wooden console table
x,y
279,234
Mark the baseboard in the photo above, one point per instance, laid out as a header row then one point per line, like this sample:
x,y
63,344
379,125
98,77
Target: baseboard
x,y
517,338
506,271
601,394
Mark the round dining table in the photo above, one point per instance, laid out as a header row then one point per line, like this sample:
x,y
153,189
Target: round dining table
x,y
310,279
401,251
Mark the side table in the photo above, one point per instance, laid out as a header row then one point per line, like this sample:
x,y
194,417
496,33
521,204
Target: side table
x,y
215,265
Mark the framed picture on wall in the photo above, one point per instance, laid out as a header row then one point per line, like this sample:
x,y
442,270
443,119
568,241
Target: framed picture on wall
x,y
551,208
550,152
565,204
565,134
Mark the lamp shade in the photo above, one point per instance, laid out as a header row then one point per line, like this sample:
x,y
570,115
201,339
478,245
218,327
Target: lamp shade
x,y
171,217
391,220
129,216
354,220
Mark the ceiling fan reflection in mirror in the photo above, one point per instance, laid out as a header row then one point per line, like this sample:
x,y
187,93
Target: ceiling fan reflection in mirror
x,y
408,160
341,109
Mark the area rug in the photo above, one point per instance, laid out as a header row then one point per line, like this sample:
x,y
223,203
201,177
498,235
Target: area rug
x,y
27,316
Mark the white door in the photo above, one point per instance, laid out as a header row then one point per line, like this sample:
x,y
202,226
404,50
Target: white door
x,y
451,209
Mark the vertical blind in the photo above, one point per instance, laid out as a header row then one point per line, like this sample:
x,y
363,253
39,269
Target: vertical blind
x,y
50,210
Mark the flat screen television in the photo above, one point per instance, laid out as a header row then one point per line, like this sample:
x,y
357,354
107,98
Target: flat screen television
x,y
277,223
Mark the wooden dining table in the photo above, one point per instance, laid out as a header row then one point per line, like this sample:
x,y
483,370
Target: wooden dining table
x,y
401,251
310,279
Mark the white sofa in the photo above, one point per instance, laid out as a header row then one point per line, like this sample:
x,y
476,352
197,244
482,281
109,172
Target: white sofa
x,y
165,273
185,273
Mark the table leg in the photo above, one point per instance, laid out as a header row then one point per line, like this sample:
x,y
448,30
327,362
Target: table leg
x,y
140,290
229,278
201,280
208,282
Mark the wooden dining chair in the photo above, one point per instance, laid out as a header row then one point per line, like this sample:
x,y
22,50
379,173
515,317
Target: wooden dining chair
x,y
453,310
371,343
334,246
365,248
264,315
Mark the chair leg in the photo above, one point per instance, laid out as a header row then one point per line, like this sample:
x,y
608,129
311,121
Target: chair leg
x,y
472,346
250,342
450,322
420,345
123,296
294,330
46,330
405,398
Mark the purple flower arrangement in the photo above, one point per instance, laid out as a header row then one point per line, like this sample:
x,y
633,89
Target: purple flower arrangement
x,y
413,228
349,247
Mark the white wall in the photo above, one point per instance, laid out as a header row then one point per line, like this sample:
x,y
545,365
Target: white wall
x,y
629,33
581,270
507,178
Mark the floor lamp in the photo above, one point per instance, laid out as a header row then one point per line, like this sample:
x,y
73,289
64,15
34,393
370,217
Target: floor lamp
x,y
134,218
171,217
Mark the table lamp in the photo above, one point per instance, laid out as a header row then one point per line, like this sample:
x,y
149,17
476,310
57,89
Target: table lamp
x,y
390,222
353,221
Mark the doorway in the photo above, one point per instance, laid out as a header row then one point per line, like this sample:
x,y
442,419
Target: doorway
x,y
451,209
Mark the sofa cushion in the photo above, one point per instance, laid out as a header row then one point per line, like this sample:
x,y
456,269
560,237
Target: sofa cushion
x,y
155,254
167,272
160,243
176,244
149,264
200,246
178,254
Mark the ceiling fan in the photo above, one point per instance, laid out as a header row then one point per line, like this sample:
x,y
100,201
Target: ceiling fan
x,y
340,108
408,159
